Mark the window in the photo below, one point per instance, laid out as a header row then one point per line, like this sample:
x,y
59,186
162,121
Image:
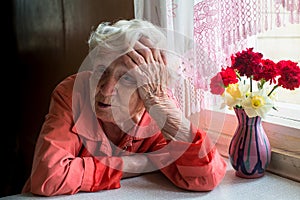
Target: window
x,y
282,126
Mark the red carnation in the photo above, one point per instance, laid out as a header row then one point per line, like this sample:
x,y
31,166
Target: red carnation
x,y
269,71
247,62
223,79
228,76
289,74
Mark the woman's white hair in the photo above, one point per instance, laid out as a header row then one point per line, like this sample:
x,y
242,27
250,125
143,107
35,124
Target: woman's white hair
x,y
122,35
110,41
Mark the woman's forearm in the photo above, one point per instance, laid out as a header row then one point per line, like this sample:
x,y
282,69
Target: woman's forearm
x,y
169,118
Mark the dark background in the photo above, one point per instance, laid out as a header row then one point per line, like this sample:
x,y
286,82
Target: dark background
x,y
43,41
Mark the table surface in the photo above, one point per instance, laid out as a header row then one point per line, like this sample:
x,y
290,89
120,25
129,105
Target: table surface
x,y
155,186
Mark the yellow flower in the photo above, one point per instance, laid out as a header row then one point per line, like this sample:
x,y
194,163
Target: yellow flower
x,y
257,101
234,91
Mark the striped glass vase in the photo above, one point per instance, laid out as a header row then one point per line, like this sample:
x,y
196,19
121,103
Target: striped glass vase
x,y
249,150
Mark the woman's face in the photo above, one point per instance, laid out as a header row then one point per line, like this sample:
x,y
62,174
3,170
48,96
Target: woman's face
x,y
115,94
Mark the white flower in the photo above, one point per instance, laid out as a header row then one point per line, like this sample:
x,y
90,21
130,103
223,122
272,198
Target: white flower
x,y
257,104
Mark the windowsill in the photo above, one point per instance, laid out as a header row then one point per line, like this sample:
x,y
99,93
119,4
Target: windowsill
x,y
156,186
284,139
287,115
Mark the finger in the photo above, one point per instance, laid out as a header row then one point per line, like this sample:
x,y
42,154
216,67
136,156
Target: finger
x,y
137,71
144,51
149,70
128,61
137,58
146,41
163,57
158,55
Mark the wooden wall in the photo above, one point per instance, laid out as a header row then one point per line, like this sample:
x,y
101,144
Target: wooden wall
x,y
44,41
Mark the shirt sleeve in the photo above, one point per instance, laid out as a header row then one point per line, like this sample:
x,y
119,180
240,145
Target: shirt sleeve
x,y
195,166
57,167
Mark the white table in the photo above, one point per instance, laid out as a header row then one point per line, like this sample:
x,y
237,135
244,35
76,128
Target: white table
x,y
155,186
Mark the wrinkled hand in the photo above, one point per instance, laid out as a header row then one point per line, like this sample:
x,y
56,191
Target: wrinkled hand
x,y
148,66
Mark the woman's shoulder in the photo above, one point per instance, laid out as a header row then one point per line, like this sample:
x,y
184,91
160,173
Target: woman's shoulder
x,y
73,79
71,82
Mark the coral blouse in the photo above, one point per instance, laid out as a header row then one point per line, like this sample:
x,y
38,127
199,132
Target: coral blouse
x,y
73,154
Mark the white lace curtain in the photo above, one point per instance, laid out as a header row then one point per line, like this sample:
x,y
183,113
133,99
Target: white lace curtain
x,y
218,28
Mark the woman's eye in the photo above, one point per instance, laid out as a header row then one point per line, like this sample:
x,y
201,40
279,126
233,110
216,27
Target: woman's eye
x,y
127,79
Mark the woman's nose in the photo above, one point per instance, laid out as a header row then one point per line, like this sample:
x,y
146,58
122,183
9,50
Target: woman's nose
x,y
107,86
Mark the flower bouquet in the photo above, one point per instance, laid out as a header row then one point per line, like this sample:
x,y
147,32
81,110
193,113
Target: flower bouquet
x,y
250,82
248,86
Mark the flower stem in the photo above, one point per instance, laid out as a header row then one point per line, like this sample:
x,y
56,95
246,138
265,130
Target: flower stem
x,y
261,83
276,86
251,84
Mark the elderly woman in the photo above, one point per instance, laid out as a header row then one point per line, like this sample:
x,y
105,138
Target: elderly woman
x,y
117,118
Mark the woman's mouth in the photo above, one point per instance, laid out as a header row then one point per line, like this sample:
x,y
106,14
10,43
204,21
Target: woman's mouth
x,y
103,105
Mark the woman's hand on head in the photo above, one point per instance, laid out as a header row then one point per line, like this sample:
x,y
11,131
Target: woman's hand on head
x,y
150,71
144,52
144,45
148,66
